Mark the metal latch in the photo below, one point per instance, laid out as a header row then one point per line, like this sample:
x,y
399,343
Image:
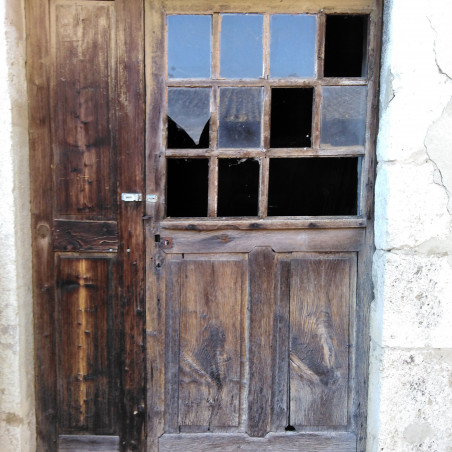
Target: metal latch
x,y
131,197
151,198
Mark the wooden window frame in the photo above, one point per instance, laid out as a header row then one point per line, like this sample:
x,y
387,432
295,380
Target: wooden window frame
x,y
156,49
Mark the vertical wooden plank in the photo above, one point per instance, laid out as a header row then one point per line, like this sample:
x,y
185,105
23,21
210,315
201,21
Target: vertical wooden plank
x,y
210,343
213,186
172,293
280,361
261,306
88,372
320,301
41,161
155,184
84,109
131,141
364,274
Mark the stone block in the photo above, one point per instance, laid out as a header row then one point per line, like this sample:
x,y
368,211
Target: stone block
x,y
409,403
410,208
413,300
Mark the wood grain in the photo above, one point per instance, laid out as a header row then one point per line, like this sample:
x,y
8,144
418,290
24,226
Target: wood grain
x,y
155,262
280,355
172,324
261,311
130,141
84,79
239,241
312,442
41,190
320,299
85,236
269,6
210,342
88,443
87,366
254,224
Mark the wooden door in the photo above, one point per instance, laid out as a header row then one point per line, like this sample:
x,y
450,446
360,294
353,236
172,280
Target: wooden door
x,y
259,225
202,240
86,88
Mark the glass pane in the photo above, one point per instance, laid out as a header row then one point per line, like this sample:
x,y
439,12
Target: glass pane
x,y
291,117
188,118
346,46
189,46
343,116
292,45
187,187
238,187
313,186
241,46
240,118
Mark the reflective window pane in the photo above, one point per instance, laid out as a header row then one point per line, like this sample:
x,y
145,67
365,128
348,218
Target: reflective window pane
x,y
343,116
313,186
292,45
238,187
188,118
189,46
241,46
240,118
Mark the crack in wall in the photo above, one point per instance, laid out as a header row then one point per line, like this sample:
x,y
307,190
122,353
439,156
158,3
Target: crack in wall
x,y
440,179
440,70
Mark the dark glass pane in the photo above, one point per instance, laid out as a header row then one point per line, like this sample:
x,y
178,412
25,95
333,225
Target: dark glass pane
x,y
189,46
343,116
291,117
292,45
346,46
241,46
187,187
240,118
238,187
188,118
313,186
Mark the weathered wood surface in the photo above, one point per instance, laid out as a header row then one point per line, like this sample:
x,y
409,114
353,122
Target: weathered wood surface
x,y
83,109
269,6
130,143
364,283
320,296
41,160
309,442
88,443
85,236
88,381
245,241
172,317
261,311
211,301
280,345
254,224
155,262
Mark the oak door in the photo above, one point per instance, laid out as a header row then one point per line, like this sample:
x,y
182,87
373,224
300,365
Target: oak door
x,y
258,223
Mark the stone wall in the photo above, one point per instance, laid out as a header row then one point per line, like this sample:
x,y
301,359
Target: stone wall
x,y
17,424
410,396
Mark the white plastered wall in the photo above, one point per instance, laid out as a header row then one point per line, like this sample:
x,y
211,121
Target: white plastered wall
x,y
17,417
410,394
